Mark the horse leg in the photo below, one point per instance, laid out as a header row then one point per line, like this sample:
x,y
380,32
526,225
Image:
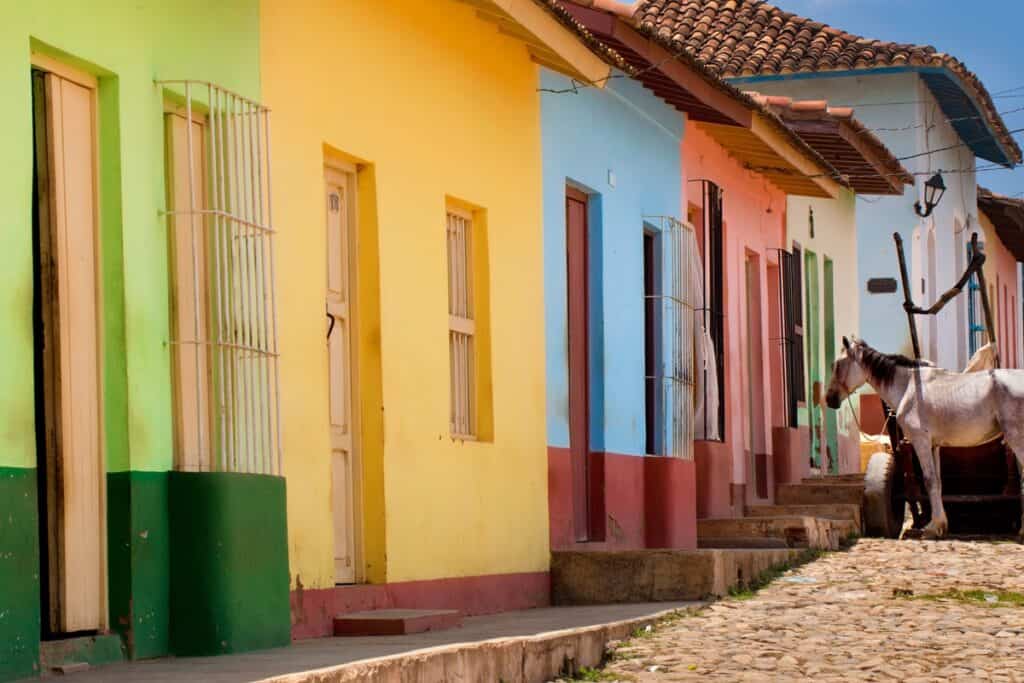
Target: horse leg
x,y
1013,435
926,457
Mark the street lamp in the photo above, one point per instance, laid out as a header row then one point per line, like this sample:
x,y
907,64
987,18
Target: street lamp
x,y
933,191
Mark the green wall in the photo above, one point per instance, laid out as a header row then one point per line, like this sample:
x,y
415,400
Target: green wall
x,y
127,45
229,565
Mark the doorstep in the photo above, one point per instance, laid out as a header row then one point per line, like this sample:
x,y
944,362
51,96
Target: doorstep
x,y
542,640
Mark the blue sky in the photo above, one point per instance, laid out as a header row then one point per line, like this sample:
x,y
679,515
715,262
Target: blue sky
x,y
983,34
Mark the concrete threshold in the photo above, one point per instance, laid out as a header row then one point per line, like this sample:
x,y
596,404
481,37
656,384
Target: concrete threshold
x,y
534,645
526,659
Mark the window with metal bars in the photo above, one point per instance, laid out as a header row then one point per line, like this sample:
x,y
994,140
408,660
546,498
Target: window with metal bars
x,y
710,236
791,334
461,324
671,288
223,309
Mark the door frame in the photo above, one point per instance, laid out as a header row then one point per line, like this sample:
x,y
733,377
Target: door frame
x,y
50,627
586,486
348,173
812,350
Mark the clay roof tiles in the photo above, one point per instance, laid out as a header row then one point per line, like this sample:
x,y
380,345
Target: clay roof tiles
x,y
737,38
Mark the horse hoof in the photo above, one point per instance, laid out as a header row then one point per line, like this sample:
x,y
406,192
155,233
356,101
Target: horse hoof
x,y
931,533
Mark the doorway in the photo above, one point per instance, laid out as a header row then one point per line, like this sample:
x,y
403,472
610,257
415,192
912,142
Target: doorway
x,y
831,424
66,315
812,335
578,293
654,398
340,201
757,458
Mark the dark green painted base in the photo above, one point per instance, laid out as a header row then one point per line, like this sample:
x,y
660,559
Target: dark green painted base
x,y
229,563
138,551
94,650
19,574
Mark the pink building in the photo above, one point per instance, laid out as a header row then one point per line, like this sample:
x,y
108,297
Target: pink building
x,y
740,218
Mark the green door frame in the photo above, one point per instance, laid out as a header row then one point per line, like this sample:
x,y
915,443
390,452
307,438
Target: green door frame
x,y
831,423
812,332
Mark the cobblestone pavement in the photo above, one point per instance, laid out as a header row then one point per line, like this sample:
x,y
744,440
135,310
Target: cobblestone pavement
x,y
850,616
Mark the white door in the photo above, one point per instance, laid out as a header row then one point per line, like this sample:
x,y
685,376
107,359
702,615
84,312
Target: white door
x,y
65,112
340,309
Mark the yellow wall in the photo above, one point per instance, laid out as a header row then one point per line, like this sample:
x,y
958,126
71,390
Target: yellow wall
x,y
434,103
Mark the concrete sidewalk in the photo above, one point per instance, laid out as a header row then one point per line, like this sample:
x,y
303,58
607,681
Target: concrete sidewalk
x,y
323,653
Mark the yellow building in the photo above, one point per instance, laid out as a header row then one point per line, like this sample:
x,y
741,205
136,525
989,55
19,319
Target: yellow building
x,y
406,148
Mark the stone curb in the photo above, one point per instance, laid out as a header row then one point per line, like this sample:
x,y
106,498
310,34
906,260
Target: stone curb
x,y
521,659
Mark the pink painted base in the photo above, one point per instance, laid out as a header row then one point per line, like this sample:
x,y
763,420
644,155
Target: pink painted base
x,y
313,611
648,502
714,479
792,454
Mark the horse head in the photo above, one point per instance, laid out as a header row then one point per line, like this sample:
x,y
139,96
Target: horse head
x,y
848,374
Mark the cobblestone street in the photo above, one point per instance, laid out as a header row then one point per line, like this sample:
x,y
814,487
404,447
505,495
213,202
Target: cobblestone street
x,y
884,610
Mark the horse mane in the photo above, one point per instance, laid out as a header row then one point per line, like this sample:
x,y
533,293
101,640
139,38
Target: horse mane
x,y
883,366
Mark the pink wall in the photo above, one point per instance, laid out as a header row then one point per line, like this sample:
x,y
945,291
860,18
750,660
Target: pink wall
x,y
1004,303
755,220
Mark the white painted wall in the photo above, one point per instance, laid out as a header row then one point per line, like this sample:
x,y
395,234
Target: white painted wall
x,y
903,102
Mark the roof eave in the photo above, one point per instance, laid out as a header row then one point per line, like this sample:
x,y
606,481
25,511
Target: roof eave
x,y
549,42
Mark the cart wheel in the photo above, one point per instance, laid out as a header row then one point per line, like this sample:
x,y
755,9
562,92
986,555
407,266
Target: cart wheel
x,y
883,506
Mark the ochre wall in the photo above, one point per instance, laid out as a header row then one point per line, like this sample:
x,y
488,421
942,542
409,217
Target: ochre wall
x,y
431,102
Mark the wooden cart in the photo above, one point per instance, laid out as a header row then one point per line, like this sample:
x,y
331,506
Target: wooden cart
x,y
980,484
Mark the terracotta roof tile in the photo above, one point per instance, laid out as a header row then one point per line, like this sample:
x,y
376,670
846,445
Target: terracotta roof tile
x,y
737,38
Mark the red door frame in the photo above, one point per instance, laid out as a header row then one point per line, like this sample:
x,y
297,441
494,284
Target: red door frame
x,y
578,300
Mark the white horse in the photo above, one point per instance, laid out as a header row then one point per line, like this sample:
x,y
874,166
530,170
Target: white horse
x,y
936,407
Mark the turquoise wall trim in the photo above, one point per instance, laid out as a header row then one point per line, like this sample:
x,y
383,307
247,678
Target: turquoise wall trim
x,y
229,563
19,574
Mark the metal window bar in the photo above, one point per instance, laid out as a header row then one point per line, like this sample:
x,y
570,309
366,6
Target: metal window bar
x,y
235,222
461,326
711,310
676,303
790,339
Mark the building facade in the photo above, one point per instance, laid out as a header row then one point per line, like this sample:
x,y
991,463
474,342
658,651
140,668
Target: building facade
x,y
114,492
415,407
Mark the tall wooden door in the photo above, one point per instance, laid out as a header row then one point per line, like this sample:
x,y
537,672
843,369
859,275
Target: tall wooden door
x,y
340,198
579,353
71,454
812,328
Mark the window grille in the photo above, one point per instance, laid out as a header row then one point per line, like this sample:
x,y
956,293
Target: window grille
x,y
975,327
711,311
674,300
461,324
226,355
791,334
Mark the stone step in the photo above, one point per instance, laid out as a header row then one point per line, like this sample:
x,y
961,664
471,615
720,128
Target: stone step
x,y
789,532
853,478
396,622
819,493
78,653
831,511
608,577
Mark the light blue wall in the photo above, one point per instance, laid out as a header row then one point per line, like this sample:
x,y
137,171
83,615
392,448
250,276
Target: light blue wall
x,y
628,132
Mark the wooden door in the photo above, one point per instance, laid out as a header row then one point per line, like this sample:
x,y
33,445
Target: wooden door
x,y
339,197
579,352
69,343
812,326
